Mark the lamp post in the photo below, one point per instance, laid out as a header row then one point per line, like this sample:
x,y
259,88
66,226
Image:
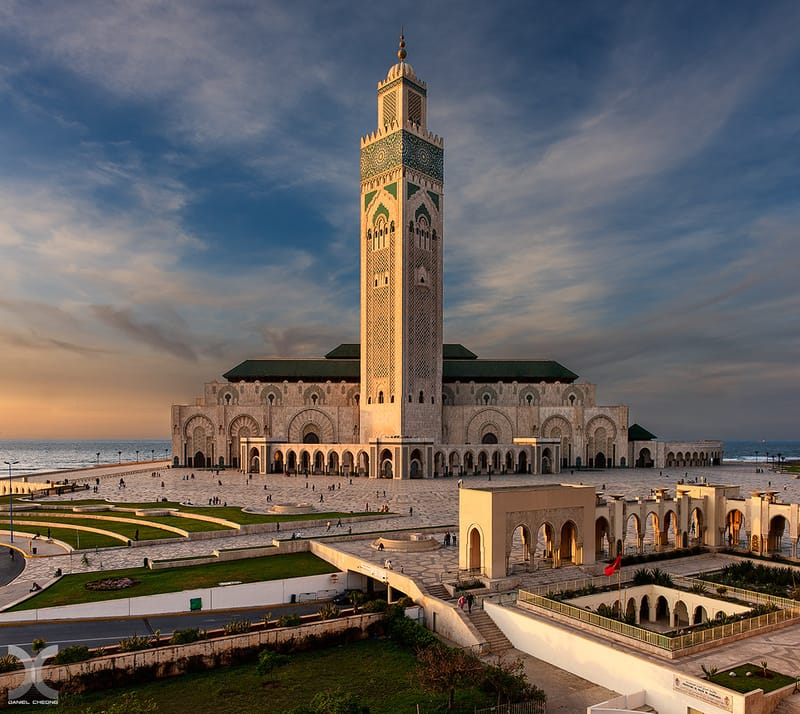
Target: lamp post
x,y
98,458
152,454
137,456
10,498
119,453
166,453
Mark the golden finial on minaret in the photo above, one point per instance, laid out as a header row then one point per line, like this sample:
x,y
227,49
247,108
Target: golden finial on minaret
x,y
401,53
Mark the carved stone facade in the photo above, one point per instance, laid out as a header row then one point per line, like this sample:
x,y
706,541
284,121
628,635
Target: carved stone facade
x,y
400,404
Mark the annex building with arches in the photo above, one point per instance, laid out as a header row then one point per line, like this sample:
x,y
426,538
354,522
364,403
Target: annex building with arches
x,y
401,403
507,530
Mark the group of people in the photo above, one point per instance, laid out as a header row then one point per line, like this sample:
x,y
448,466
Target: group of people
x,y
449,538
216,500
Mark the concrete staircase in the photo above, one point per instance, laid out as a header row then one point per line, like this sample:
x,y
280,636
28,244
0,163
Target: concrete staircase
x,y
438,590
494,637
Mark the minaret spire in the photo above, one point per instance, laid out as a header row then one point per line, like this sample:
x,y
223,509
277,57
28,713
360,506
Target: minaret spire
x,y
401,53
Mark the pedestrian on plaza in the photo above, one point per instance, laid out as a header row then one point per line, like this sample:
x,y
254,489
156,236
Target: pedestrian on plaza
x,y
461,602
453,539
470,601
328,526
411,510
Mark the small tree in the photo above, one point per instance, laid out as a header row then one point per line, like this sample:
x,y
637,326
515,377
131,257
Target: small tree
x,y
269,661
709,672
445,669
506,678
356,597
38,645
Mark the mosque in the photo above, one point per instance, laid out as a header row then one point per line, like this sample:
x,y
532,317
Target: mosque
x,y
402,403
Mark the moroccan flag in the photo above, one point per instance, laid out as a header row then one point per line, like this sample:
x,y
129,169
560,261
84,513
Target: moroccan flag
x,y
614,567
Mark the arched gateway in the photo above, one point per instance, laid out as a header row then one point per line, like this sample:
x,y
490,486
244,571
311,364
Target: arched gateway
x,y
500,527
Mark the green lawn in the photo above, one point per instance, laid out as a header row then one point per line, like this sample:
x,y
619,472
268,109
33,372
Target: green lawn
x,y
77,539
230,513
126,529
379,672
742,683
70,589
192,525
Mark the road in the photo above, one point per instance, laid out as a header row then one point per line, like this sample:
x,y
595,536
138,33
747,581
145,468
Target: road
x,y
102,633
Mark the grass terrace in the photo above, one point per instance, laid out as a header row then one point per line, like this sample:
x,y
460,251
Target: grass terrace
x,y
71,536
386,685
749,677
71,589
125,528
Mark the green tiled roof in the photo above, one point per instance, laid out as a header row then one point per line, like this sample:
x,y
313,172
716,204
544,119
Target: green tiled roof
x,y
295,370
456,351
340,368
506,370
639,433
347,350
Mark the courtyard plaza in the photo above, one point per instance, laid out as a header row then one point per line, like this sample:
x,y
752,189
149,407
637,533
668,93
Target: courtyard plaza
x,y
435,506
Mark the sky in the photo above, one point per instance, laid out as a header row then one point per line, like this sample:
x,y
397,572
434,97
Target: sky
x,y
179,191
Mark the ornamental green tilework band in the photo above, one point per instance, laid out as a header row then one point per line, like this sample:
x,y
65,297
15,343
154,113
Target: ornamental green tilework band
x,y
402,147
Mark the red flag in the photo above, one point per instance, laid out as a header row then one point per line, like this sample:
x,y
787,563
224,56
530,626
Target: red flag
x,y
614,567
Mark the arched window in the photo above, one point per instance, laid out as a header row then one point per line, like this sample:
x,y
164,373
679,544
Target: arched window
x,y
421,397
227,398
529,399
572,400
271,398
485,398
380,397
391,399
409,399
314,398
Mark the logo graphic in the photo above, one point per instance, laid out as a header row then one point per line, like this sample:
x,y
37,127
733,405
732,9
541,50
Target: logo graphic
x,y
33,685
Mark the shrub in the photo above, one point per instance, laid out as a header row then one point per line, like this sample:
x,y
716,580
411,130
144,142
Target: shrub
x,y
378,605
409,633
289,620
74,653
182,637
8,663
329,611
134,643
237,626
38,645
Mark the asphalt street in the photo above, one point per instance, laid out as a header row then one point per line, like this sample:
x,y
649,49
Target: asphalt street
x,y
103,633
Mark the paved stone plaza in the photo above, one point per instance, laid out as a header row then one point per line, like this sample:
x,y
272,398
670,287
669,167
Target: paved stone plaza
x,y
435,505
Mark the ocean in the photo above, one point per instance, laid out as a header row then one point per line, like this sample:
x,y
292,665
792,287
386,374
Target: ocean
x,y
40,455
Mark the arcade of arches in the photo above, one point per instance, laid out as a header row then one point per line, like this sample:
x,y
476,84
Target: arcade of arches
x,y
510,529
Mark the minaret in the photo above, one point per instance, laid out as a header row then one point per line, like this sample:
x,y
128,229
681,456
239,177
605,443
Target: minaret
x,y
402,181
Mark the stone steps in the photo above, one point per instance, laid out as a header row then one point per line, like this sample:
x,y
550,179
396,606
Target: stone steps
x,y
438,590
494,637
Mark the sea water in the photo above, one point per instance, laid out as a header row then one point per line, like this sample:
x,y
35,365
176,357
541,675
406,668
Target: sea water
x,y
41,455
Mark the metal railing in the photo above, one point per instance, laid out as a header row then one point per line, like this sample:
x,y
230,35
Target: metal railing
x,y
517,708
655,639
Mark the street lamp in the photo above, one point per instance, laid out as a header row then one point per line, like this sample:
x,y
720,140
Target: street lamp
x,y
98,458
166,453
152,454
10,498
137,456
119,453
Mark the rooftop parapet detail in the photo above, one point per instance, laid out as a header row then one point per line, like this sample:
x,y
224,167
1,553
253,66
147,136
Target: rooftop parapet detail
x,y
408,126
